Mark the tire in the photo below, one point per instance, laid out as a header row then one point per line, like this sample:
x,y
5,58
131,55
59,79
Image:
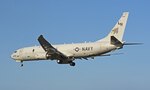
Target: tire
x,y
72,64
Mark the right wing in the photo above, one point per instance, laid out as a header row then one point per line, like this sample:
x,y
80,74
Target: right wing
x,y
52,53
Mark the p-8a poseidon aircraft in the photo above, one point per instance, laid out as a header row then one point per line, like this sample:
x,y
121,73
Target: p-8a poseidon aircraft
x,y
68,53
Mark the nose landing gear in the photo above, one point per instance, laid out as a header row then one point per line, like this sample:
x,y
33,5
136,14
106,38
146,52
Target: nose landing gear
x,y
21,64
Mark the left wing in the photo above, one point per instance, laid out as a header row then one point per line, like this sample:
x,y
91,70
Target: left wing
x,y
52,53
93,56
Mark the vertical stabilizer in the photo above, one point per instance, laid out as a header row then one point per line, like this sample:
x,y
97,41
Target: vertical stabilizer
x,y
118,29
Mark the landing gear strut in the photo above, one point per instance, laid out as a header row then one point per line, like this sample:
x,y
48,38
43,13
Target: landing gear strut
x,y
72,64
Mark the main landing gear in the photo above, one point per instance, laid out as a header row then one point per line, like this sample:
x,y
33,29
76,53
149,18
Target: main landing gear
x,y
72,64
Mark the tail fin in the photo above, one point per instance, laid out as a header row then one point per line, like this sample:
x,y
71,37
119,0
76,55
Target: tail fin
x,y
118,29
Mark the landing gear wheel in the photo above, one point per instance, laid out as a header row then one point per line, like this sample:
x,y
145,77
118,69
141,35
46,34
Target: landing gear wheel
x,y
21,64
72,64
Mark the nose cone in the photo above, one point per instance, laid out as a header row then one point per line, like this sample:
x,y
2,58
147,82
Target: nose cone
x,y
13,56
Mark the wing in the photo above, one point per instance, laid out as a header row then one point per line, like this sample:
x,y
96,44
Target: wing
x,y
52,53
93,56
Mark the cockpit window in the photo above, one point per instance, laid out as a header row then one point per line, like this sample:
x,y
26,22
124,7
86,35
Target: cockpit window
x,y
15,52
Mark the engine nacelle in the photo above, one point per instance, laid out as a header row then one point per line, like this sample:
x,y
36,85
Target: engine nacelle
x,y
59,61
63,61
48,56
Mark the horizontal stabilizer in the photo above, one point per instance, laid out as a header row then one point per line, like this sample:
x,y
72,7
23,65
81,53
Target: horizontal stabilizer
x,y
132,43
115,41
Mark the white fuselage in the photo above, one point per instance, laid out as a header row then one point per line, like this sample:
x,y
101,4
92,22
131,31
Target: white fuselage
x,y
79,50
67,53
